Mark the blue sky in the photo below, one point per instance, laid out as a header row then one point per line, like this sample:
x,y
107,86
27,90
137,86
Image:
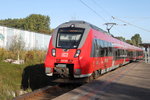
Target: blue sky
x,y
135,12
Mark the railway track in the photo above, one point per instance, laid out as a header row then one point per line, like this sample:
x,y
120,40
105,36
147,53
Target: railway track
x,y
48,92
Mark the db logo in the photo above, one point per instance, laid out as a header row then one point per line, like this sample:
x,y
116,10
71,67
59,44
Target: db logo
x,y
64,55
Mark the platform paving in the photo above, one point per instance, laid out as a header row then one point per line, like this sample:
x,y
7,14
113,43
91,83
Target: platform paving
x,y
130,82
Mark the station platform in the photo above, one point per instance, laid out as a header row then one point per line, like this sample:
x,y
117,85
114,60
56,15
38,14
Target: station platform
x,y
129,82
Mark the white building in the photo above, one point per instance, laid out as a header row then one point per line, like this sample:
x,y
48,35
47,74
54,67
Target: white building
x,y
32,40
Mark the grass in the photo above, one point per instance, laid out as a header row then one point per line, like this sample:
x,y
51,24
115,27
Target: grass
x,y
11,74
10,80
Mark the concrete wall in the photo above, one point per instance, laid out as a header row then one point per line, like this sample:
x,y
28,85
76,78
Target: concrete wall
x,y
32,40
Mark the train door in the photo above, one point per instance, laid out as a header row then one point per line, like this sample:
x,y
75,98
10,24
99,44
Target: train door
x,y
124,56
102,56
96,55
107,56
114,57
96,50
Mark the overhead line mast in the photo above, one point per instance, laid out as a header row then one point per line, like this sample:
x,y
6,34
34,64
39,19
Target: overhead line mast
x,y
109,26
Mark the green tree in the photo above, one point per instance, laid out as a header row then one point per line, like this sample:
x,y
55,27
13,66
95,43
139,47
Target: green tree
x,y
34,22
121,38
38,23
136,39
129,42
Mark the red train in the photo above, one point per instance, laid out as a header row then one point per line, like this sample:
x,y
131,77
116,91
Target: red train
x,y
78,49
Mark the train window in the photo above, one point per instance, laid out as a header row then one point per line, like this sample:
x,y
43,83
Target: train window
x,y
69,38
116,53
96,48
113,52
101,43
104,48
93,48
96,44
103,51
121,53
107,49
100,47
125,53
128,53
110,49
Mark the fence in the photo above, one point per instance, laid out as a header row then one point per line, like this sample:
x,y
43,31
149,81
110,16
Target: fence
x,y
32,40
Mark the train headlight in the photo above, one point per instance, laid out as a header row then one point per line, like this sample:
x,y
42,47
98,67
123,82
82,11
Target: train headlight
x,y
77,53
54,52
72,25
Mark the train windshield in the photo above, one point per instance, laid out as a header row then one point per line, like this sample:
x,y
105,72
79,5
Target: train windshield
x,y
69,38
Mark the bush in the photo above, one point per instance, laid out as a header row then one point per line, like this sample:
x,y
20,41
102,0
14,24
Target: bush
x,y
30,57
34,57
3,54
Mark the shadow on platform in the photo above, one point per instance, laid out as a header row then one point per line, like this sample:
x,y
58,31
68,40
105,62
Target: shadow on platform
x,y
101,90
34,77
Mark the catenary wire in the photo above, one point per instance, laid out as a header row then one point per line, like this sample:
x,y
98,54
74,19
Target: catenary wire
x,y
93,10
131,24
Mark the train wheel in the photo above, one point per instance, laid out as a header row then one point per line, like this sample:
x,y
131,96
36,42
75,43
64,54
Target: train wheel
x,y
99,72
91,78
95,74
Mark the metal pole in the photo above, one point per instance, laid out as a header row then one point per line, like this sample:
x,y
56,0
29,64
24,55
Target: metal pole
x,y
148,54
109,26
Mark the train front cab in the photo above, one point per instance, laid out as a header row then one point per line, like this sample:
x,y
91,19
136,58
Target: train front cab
x,y
68,54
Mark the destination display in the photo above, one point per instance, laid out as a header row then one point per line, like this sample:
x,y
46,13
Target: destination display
x,y
71,30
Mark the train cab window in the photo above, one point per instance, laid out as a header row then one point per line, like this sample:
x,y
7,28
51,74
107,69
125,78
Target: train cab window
x,y
69,38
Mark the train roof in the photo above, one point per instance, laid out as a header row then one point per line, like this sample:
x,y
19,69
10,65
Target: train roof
x,y
87,25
